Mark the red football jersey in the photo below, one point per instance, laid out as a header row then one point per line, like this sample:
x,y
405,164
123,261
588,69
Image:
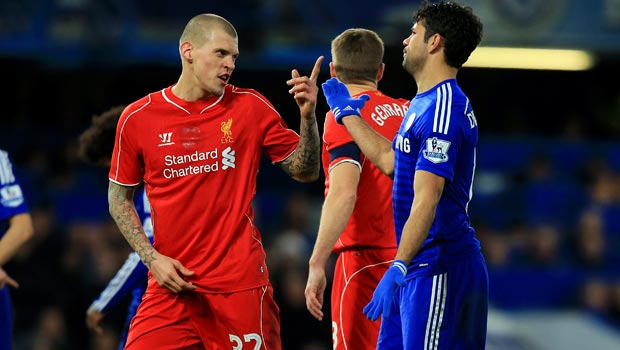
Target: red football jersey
x,y
199,161
372,223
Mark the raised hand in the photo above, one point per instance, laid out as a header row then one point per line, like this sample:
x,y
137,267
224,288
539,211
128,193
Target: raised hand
x,y
305,89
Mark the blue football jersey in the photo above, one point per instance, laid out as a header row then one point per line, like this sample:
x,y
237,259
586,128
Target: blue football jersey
x,y
439,134
12,201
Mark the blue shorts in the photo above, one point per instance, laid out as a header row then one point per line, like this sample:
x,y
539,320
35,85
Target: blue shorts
x,y
6,319
444,311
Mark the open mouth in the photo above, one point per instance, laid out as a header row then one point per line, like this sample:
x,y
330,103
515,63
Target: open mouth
x,y
224,78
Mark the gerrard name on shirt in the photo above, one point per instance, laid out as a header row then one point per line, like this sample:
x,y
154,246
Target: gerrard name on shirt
x,y
384,111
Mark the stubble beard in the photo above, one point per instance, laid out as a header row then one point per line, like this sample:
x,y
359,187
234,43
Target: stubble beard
x,y
409,66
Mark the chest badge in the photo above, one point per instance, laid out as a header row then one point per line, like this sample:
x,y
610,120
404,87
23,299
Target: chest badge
x,y
225,127
166,139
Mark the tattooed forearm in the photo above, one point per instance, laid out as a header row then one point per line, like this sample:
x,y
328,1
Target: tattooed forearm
x,y
123,211
304,165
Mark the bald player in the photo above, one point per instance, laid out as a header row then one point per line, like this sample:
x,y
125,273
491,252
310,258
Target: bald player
x,y
196,146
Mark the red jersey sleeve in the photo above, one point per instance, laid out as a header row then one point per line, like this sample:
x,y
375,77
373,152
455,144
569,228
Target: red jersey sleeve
x,y
278,140
126,166
334,134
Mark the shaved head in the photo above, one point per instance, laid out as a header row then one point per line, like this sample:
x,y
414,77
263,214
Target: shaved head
x,y
199,29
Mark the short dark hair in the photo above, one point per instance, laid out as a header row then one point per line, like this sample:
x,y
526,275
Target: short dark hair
x,y
357,54
457,24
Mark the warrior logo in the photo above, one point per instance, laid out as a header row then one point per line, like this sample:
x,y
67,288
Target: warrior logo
x,y
166,139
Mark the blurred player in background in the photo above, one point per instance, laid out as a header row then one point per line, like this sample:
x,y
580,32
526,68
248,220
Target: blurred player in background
x,y
197,146
95,146
15,230
357,220
435,293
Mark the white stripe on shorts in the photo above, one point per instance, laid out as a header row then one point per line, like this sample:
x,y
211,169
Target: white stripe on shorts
x,y
435,311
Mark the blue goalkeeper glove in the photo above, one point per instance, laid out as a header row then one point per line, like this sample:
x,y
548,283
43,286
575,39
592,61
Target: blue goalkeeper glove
x,y
340,101
381,302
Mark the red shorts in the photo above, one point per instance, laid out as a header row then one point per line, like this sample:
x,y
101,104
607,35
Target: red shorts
x,y
242,320
356,275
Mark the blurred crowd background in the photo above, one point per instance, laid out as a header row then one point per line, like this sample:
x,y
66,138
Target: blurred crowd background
x,y
546,203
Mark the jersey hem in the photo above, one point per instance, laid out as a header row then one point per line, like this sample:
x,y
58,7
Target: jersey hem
x,y
123,184
331,166
160,290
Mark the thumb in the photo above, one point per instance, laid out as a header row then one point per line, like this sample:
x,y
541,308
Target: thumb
x,y
364,97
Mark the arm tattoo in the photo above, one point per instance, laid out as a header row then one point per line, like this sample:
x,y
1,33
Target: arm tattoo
x,y
123,211
303,165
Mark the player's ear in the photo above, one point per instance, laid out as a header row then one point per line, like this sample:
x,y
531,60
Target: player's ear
x,y
435,42
186,51
380,72
332,70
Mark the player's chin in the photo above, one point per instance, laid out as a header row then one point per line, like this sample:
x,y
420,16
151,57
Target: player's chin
x,y
218,91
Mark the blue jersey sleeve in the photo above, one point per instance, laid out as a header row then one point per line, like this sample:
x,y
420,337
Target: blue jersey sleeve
x,y
439,134
12,201
131,275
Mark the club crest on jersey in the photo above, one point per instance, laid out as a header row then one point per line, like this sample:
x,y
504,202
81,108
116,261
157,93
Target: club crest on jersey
x,y
166,139
11,196
436,150
225,127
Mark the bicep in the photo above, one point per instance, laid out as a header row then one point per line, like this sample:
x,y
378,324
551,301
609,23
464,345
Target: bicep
x,y
23,220
344,164
118,194
428,187
344,178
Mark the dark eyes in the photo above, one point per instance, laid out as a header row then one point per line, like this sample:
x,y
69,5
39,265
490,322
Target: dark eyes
x,y
224,53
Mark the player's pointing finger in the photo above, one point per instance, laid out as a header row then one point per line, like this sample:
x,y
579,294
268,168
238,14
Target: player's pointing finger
x,y
317,68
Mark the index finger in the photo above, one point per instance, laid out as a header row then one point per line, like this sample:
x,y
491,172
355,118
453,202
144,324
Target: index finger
x,y
314,306
187,286
11,282
317,68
